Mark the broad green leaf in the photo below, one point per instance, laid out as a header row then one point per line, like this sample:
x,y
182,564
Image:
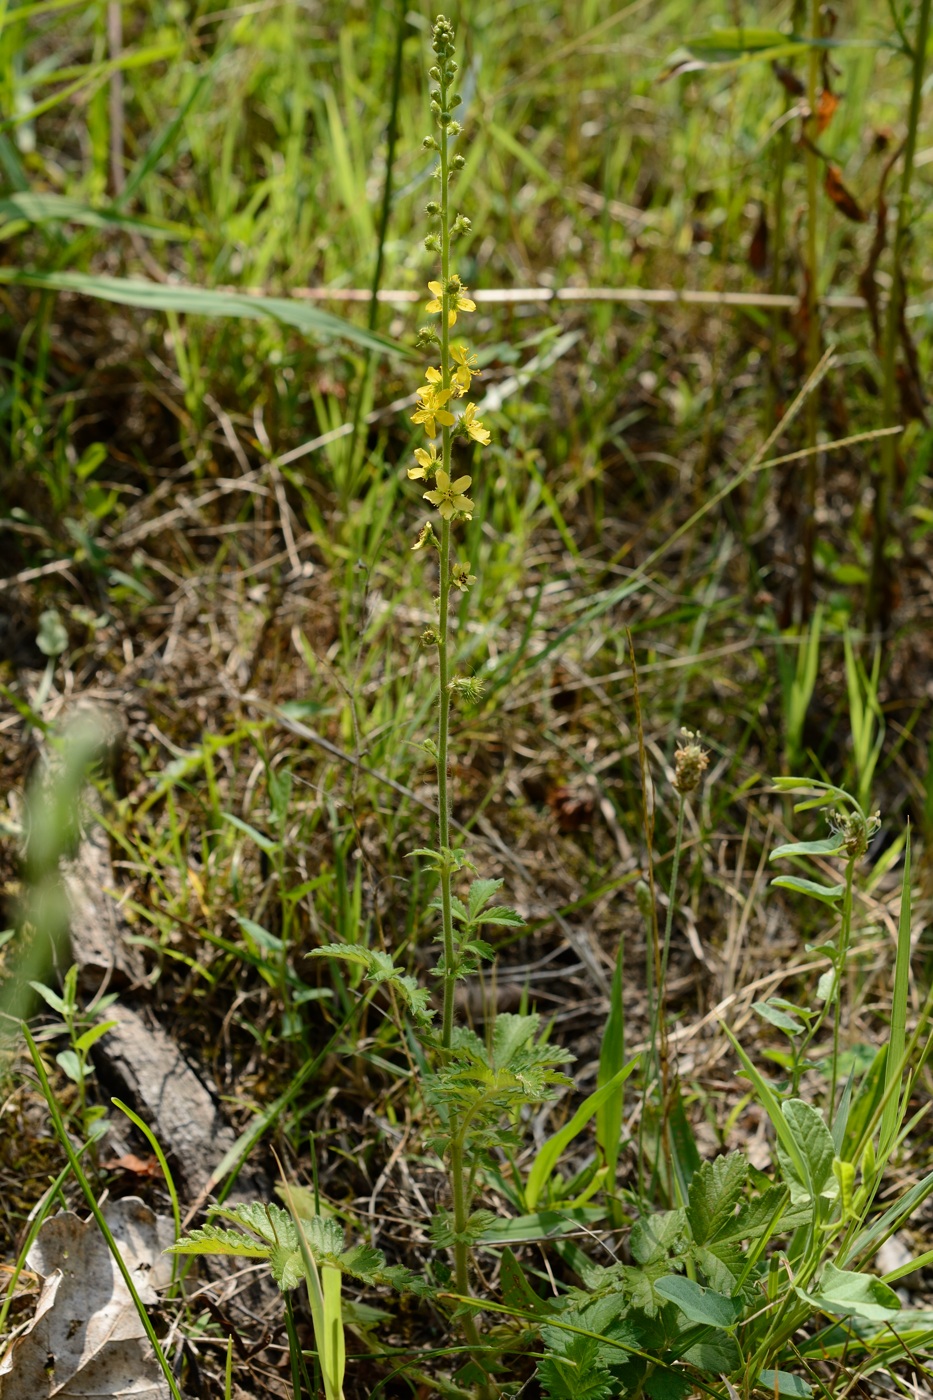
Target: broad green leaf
x,y
91,1037
550,1153
69,1062
828,894
204,301
715,1192
51,998
778,1018
717,1354
516,1291
829,846
783,1384
542,1225
698,1304
843,1291
815,1149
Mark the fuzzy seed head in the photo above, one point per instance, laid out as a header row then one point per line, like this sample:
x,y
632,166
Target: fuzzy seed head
x,y
690,763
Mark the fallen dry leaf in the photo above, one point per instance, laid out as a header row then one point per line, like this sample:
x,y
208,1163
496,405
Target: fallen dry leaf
x,y
86,1338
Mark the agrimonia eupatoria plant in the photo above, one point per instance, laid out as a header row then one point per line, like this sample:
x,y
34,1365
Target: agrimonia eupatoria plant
x,y
476,1087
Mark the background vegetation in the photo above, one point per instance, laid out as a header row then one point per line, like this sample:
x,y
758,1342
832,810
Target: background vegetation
x,y
206,531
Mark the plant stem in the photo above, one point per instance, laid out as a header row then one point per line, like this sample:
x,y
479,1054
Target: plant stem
x,y
884,484
443,722
813,314
461,1214
842,957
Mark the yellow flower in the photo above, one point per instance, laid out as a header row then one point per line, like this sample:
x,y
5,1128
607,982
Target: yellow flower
x,y
456,301
464,361
449,496
427,464
473,426
432,410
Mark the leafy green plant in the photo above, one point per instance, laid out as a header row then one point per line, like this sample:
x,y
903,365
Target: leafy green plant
x,y
300,1246
83,1030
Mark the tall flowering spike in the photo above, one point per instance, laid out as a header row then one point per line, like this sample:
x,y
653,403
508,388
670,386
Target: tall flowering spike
x,y
451,380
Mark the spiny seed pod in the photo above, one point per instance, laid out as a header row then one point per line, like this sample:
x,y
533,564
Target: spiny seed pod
x,y
690,763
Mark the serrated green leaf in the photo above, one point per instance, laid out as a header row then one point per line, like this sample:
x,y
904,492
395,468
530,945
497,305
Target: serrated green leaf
x,y
657,1236
362,1262
698,1304
501,915
481,892
323,1236
577,1373
511,1034
287,1266
212,1239
269,1221
715,1191
827,894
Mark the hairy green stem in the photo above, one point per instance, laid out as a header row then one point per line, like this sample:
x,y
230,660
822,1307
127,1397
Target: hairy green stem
x,y
884,484
443,722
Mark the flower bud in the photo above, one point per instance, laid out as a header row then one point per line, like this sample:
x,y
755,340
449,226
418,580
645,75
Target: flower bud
x,y
458,162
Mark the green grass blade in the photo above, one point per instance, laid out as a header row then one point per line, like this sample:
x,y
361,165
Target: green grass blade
x,y
548,1157
203,301
894,1108
90,1196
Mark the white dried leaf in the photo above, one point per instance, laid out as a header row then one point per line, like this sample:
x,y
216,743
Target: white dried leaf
x,y
86,1340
